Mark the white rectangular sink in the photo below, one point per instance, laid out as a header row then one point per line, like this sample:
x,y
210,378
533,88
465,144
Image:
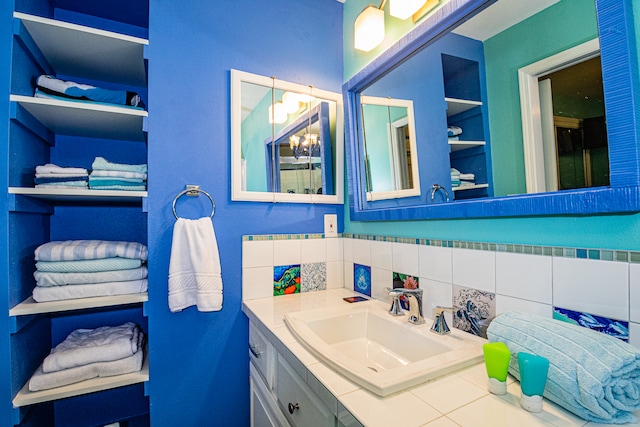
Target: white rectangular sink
x,y
379,352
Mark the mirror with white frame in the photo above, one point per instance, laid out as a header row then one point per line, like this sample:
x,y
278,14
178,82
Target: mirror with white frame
x,y
286,141
391,164
478,70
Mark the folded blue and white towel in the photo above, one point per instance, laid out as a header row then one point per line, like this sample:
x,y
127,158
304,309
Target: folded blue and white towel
x,y
49,85
74,250
51,168
89,265
118,174
54,279
591,374
52,179
61,293
64,185
100,163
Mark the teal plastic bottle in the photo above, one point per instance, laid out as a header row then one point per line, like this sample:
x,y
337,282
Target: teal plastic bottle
x,y
533,378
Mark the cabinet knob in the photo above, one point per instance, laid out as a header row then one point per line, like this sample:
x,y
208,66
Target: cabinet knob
x,y
254,350
293,407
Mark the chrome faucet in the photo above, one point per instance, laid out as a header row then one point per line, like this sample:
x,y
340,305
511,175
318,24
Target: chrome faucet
x,y
439,322
415,304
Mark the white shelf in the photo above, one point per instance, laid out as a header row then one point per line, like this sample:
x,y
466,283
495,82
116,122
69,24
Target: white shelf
x,y
79,195
463,145
456,106
30,306
26,397
76,50
85,118
470,187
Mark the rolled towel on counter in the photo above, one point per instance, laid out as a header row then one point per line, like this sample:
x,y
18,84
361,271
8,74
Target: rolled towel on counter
x,y
591,374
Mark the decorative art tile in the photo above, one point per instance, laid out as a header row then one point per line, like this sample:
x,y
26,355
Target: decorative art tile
x,y
474,310
286,279
313,277
616,328
362,279
405,281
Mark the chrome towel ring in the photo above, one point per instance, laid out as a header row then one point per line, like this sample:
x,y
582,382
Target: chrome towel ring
x,y
193,190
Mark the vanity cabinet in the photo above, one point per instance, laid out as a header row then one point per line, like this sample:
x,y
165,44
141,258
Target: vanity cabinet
x,y
70,133
283,392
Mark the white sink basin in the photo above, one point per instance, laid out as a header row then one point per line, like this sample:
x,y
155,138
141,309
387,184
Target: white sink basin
x,y
381,353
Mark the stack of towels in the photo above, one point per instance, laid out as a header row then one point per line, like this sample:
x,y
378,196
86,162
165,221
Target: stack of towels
x,y
454,132
106,175
50,87
591,374
89,353
54,176
89,268
459,179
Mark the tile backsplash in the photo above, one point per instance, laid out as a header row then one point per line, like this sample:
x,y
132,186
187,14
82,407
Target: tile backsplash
x,y
600,284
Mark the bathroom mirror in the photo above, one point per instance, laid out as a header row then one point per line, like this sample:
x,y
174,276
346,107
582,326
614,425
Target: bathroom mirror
x,y
285,141
466,66
390,161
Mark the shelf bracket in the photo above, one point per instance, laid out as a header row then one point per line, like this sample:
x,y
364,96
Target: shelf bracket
x,y
30,123
19,414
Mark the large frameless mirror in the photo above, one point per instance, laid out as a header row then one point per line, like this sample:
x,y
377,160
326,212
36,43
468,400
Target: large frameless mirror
x,y
521,108
286,140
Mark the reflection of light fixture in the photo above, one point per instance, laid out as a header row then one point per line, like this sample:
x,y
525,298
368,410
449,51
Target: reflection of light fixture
x,y
277,113
294,141
369,28
403,9
291,102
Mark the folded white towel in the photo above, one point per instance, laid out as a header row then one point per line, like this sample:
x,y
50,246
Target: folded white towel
x,y
61,175
119,174
52,168
43,381
194,268
59,293
86,346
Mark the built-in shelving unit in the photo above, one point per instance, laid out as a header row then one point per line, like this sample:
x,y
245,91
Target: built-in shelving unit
x,y
38,126
463,97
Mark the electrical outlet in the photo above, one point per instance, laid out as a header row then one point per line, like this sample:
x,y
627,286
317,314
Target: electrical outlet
x,y
331,225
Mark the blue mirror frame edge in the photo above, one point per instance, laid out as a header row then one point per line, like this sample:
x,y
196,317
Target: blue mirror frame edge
x,y
622,88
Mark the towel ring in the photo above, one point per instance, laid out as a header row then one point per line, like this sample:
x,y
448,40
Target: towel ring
x,y
192,190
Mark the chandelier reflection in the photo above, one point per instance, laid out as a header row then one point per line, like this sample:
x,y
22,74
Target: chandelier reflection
x,y
306,145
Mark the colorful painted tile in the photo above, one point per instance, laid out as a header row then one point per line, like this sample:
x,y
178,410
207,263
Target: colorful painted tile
x,y
286,279
405,281
313,277
362,279
616,328
474,310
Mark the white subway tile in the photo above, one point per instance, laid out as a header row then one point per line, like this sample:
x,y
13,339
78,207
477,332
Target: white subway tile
x,y
347,249
381,255
474,269
436,263
257,283
634,293
335,250
313,250
436,294
257,253
505,303
348,275
335,276
380,279
406,259
522,276
286,252
593,286
362,252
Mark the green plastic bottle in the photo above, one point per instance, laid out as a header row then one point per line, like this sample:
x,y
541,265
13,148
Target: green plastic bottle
x,y
496,360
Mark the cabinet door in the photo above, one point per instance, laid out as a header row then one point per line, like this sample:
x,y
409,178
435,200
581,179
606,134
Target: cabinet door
x,y
301,406
264,410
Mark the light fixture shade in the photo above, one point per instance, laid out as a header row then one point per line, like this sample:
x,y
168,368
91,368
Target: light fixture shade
x,y
403,9
277,113
291,102
369,28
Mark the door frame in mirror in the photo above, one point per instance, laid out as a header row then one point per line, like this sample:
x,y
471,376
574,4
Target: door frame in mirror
x,y
237,193
622,92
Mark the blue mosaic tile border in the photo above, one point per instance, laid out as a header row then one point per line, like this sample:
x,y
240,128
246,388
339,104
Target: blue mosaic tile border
x,y
557,251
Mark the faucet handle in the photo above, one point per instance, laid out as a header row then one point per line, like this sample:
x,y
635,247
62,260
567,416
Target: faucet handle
x,y
440,309
439,322
394,292
396,307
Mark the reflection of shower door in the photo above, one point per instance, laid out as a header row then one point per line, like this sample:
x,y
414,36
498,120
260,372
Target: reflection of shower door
x,y
400,149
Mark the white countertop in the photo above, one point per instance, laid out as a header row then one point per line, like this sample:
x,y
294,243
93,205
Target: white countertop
x,y
458,399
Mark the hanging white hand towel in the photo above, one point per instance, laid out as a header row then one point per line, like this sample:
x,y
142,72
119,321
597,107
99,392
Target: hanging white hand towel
x,y
194,268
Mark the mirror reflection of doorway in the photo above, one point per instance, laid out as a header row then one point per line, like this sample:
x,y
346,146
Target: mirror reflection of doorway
x,y
574,126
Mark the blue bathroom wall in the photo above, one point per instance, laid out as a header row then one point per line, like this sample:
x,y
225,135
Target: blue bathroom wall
x,y
598,231
199,361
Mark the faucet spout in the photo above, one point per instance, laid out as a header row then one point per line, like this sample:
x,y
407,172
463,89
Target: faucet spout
x,y
439,322
415,304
